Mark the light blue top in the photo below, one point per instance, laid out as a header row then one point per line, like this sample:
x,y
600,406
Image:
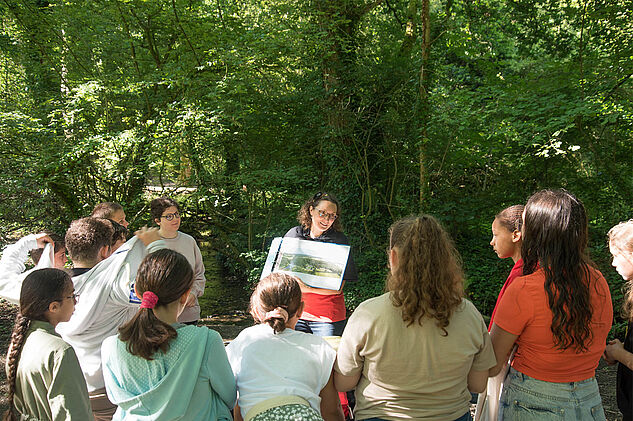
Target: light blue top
x,y
191,381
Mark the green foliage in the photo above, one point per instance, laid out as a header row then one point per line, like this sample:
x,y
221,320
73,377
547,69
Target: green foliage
x,y
252,106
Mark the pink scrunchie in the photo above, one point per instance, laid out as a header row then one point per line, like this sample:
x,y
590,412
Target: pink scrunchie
x,y
276,313
149,300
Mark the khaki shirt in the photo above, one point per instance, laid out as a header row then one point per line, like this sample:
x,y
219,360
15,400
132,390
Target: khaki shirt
x,y
412,372
49,381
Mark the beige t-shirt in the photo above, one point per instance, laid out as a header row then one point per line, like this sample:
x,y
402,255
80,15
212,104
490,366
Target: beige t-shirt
x,y
412,372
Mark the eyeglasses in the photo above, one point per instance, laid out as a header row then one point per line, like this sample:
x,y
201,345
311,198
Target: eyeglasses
x,y
326,215
171,216
74,296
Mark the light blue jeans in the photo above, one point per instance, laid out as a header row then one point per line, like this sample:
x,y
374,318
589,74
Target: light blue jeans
x,y
465,417
321,328
527,399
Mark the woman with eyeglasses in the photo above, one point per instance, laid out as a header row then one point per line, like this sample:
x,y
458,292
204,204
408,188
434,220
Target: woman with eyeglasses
x,y
166,214
324,312
43,374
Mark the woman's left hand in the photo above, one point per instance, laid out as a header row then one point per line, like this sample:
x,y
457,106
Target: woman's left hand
x,y
612,351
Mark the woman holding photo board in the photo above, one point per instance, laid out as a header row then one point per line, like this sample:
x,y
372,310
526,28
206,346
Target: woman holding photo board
x,y
324,313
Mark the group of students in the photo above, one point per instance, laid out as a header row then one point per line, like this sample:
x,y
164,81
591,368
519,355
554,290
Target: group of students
x,y
415,352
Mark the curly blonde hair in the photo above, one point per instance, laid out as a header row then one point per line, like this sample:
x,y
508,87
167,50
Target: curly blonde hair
x,y
304,218
428,280
621,239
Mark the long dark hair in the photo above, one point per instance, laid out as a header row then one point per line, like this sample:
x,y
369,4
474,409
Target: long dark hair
x,y
555,239
39,289
167,274
428,280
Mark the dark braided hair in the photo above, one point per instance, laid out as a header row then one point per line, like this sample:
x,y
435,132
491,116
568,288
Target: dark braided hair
x,y
39,289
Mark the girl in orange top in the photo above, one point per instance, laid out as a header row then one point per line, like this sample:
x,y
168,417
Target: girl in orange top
x,y
506,242
558,314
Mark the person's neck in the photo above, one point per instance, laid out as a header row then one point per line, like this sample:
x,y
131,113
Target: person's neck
x,y
517,255
85,264
168,313
314,233
167,234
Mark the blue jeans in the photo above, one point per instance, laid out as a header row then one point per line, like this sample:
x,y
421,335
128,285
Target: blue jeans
x,y
321,328
527,399
465,417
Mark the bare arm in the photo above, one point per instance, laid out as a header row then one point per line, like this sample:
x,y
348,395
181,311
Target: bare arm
x,y
330,404
346,383
237,415
615,352
477,380
502,342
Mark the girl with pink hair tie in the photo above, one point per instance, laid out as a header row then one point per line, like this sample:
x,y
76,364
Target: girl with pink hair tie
x,y
282,373
159,369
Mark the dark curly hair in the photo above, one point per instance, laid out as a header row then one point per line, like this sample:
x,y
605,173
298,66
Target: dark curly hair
x,y
555,239
86,236
158,206
428,280
304,218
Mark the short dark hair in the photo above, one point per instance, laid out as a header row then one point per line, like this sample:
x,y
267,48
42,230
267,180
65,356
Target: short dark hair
x,y
106,210
158,206
119,232
60,244
86,236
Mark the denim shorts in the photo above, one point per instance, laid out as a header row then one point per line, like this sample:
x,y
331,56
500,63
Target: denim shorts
x,y
527,399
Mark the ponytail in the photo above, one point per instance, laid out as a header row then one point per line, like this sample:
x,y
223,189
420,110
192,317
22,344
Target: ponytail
x,y
146,334
276,299
163,277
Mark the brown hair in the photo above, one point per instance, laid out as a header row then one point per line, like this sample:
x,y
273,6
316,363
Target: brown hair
x,y
106,210
58,240
39,289
555,236
119,232
158,206
428,280
167,274
621,239
276,290
511,218
86,236
304,217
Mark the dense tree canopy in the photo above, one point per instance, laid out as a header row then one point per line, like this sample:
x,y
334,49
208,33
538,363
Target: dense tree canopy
x,y
453,107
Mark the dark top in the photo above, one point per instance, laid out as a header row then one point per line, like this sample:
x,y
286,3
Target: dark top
x,y
78,271
329,236
624,383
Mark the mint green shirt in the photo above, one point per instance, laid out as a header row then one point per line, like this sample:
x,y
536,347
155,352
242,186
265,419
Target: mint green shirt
x,y
49,381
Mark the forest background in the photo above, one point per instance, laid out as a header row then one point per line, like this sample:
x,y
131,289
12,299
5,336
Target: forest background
x,y
243,109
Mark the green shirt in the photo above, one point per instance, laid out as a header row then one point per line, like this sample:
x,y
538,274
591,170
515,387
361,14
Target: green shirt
x,y
49,381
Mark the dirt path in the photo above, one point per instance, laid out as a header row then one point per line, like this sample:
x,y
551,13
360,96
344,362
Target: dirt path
x,y
230,324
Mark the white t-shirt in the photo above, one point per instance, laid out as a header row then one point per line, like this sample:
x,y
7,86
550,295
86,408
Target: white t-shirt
x,y
268,365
